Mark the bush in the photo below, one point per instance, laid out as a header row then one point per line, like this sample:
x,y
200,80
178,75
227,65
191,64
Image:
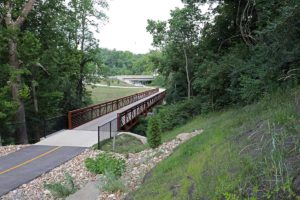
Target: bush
x,y
60,190
105,163
154,132
141,127
112,184
174,115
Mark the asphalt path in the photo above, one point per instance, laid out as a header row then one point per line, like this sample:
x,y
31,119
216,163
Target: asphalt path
x,y
29,163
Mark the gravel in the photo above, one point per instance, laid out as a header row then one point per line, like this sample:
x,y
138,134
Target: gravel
x,y
5,150
34,190
137,166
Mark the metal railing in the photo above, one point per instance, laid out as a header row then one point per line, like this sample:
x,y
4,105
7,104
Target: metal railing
x,y
37,128
128,118
107,131
81,116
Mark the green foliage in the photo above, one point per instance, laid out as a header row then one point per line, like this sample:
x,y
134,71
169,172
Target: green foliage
x,y
112,184
244,153
141,127
234,56
154,133
106,162
126,63
62,190
173,115
159,81
51,61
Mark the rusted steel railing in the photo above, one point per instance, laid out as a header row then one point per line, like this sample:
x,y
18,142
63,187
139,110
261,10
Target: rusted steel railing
x,y
84,115
128,118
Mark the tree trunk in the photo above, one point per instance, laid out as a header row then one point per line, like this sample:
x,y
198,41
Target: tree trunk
x,y
20,119
82,64
80,84
35,100
187,74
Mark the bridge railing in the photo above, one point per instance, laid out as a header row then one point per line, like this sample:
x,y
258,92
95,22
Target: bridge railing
x,y
128,118
81,116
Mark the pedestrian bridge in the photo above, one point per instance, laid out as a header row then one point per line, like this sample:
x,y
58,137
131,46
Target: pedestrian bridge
x,y
103,121
135,79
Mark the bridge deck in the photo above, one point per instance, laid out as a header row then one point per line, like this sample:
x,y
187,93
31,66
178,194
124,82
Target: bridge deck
x,y
87,135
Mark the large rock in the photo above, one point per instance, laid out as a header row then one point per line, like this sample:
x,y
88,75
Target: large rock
x,y
90,192
187,136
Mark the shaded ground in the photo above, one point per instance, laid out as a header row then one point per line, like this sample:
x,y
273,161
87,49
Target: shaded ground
x,y
124,144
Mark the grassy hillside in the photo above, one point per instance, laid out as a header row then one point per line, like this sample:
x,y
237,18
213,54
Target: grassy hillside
x,y
244,153
103,94
114,82
124,144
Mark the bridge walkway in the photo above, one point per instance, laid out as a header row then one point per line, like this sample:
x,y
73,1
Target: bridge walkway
x,y
86,135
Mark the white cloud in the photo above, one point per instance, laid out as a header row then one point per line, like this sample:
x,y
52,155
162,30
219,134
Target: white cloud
x,y
126,29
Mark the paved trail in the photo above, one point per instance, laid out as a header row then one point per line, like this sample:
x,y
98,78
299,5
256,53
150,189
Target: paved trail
x,y
27,164
86,135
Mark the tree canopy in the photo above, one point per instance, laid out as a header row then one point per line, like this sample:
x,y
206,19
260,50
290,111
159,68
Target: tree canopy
x,y
127,63
47,51
232,54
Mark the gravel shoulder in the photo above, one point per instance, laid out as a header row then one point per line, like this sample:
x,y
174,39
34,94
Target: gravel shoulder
x,y
5,150
138,165
34,190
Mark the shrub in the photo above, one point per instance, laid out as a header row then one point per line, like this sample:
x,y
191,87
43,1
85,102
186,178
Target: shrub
x,y
154,132
112,183
141,127
174,115
105,162
60,190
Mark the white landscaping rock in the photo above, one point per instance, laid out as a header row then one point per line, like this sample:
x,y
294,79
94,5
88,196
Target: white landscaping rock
x,y
5,150
35,190
187,136
89,192
139,164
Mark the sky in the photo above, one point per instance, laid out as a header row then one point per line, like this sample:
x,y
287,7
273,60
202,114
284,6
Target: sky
x,y
126,28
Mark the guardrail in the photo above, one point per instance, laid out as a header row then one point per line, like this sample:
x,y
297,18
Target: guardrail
x,y
128,118
81,116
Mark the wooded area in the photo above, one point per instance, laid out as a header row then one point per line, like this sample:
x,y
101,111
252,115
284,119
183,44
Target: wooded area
x,y
127,63
234,53
47,51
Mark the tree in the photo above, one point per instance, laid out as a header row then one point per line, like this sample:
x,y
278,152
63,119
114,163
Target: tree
x,y
48,63
179,40
154,132
14,21
232,54
86,14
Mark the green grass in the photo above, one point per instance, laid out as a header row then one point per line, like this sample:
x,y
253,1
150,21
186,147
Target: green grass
x,y
103,94
114,82
124,144
243,153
